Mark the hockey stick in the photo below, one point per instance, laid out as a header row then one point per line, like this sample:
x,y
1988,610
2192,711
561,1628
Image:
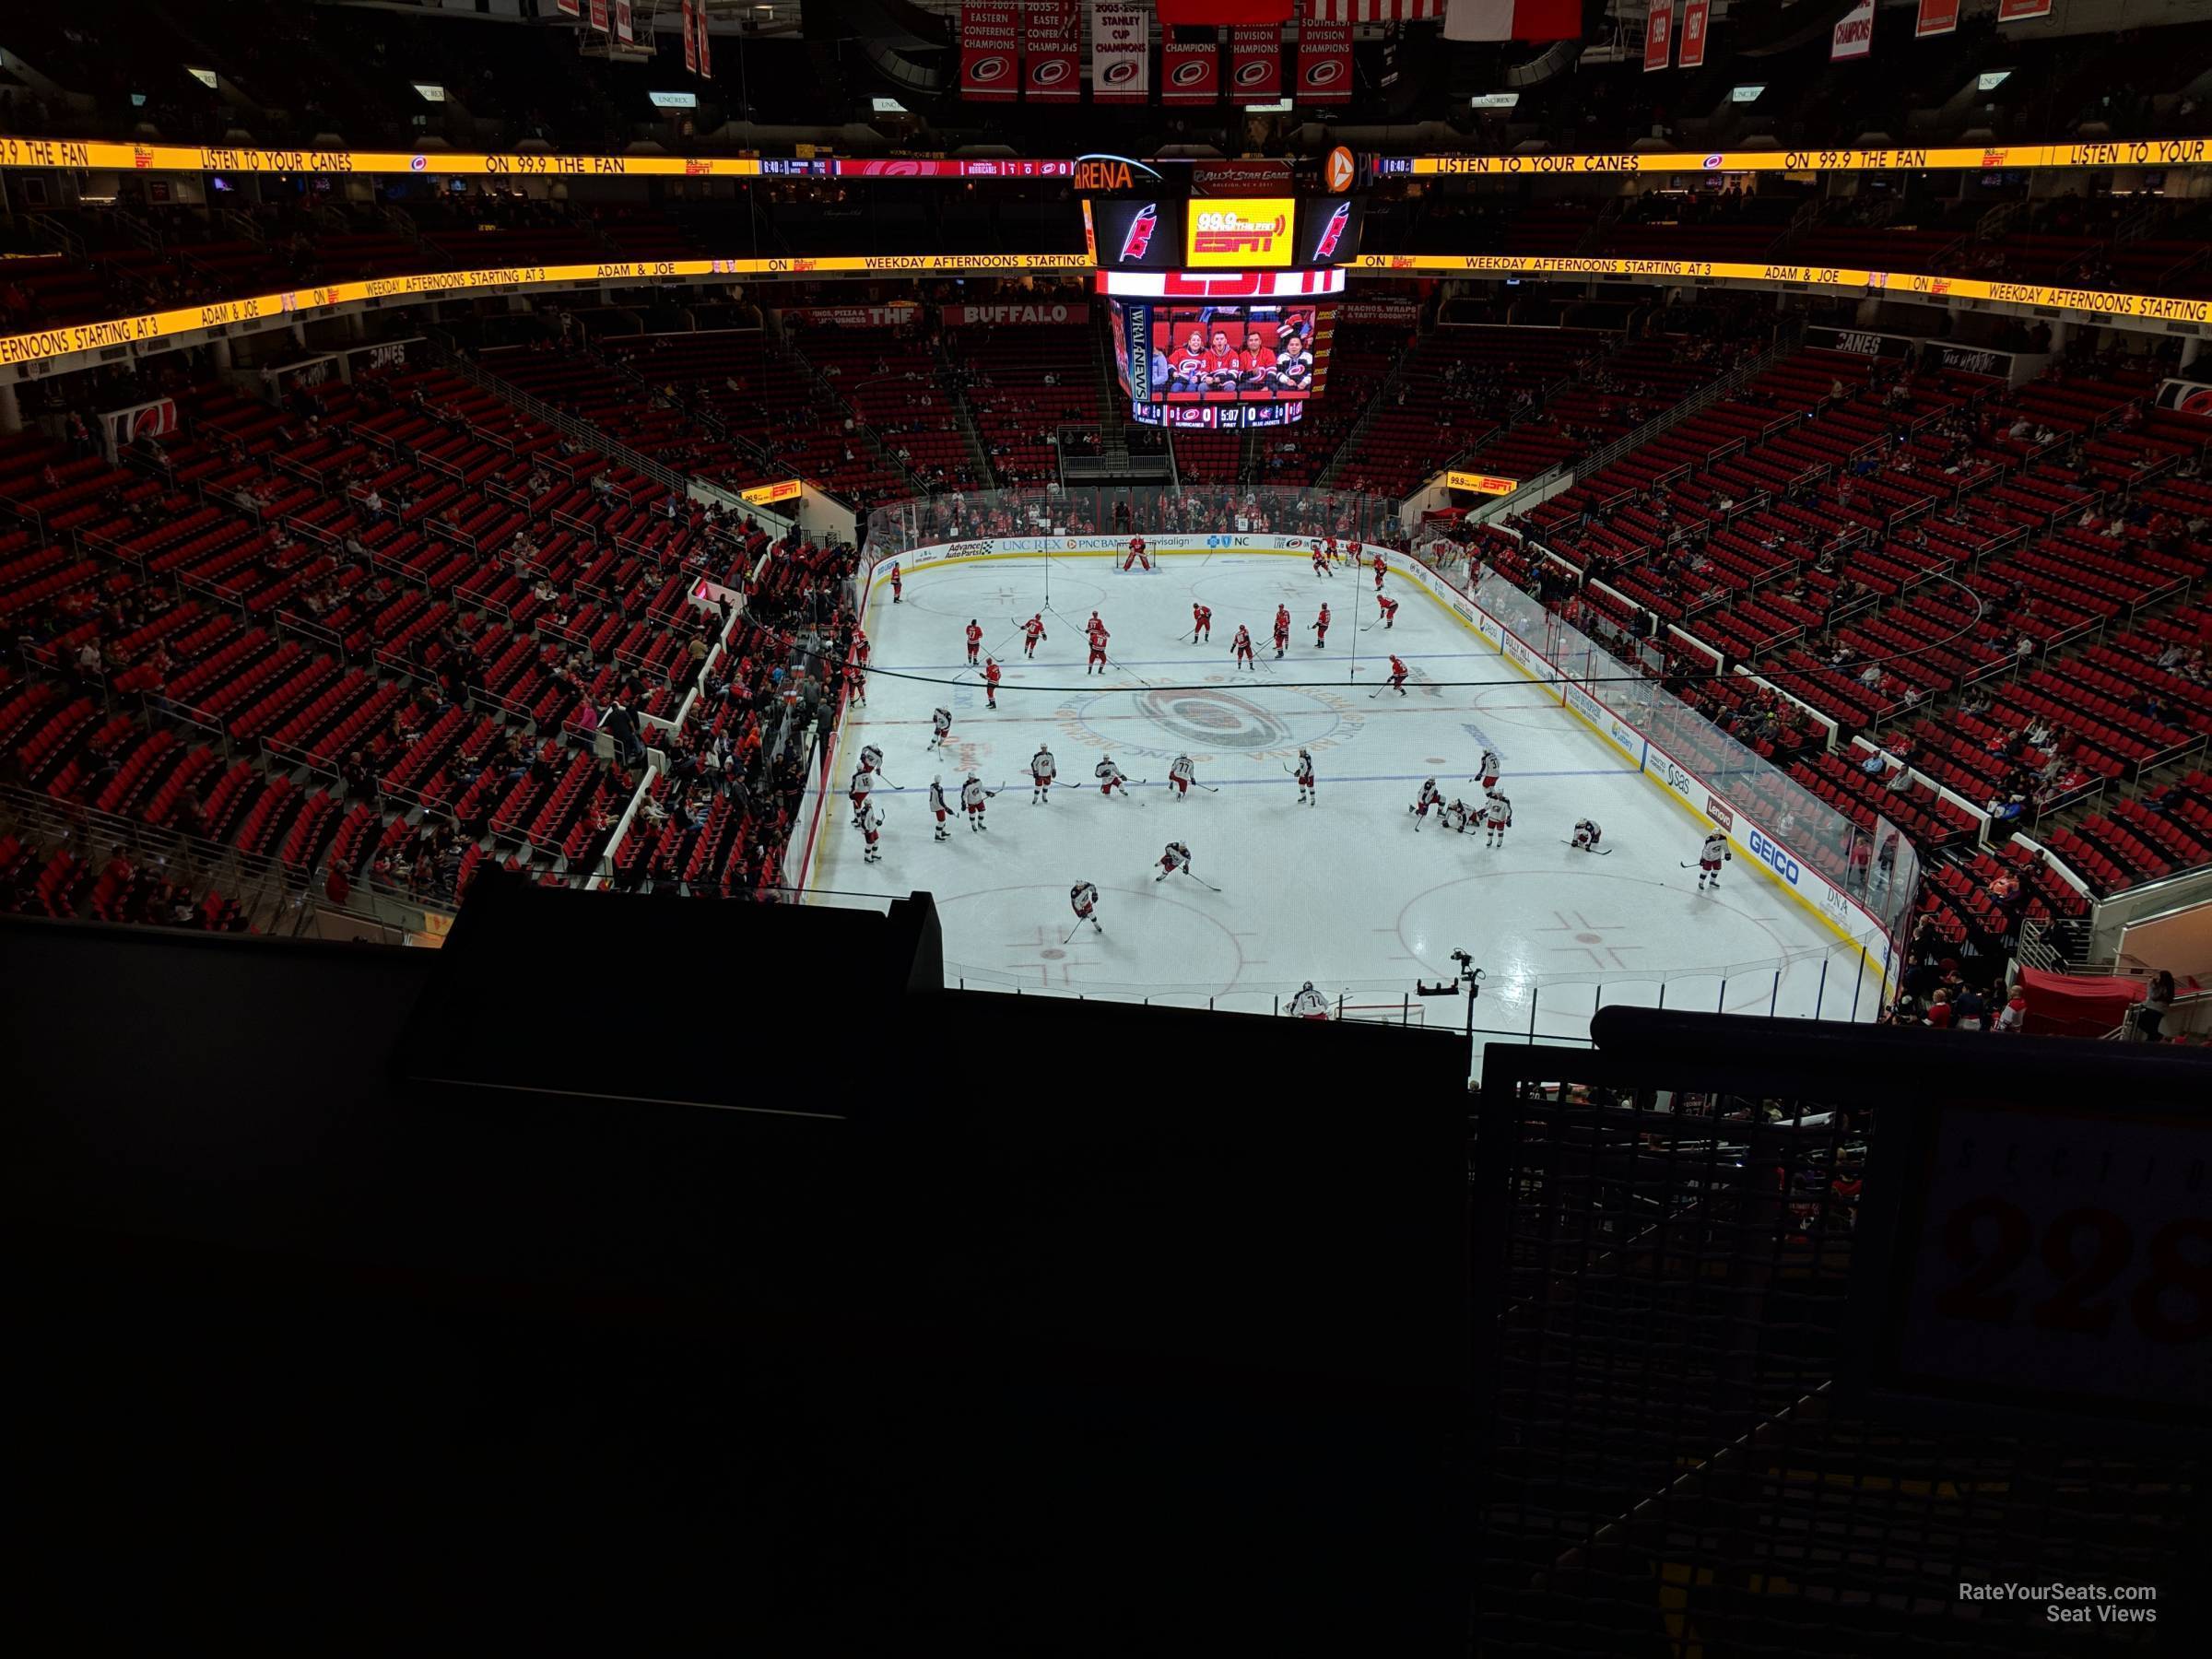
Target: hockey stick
x,y
1601,851
1207,787
1200,880
1074,930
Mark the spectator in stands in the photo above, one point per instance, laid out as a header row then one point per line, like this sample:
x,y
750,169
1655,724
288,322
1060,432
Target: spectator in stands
x,y
2157,1002
2014,1016
90,664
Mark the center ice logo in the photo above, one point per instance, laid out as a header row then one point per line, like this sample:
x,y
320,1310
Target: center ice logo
x,y
1216,720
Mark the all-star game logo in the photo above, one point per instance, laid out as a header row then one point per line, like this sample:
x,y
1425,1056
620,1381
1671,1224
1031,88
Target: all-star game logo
x,y
1208,724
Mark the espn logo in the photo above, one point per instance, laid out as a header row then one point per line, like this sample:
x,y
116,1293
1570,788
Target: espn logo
x,y
1229,232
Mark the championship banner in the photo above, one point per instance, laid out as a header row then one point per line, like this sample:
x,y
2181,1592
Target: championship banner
x,y
1324,63
989,52
1190,74
1854,35
1255,62
1695,17
706,51
622,30
1658,35
1120,50
1051,52
599,16
2020,11
120,428
1020,317
568,8
1937,18
690,41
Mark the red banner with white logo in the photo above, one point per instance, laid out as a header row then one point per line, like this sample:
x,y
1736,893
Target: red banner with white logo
x,y
1659,35
599,16
1052,45
1324,63
1255,62
1121,53
2019,11
1937,18
569,9
1691,55
691,40
622,30
706,53
1190,74
989,52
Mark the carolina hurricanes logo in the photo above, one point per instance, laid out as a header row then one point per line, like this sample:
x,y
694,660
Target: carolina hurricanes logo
x,y
983,71
1326,72
1713,161
1254,72
1192,72
1050,72
1122,73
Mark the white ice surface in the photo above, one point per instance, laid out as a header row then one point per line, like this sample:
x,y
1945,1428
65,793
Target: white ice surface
x,y
1345,893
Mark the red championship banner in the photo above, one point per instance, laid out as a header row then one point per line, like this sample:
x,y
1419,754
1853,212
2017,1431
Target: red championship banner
x,y
2020,11
989,52
691,40
1324,63
1121,53
1937,18
1659,35
1255,62
1190,74
706,53
622,30
599,16
1691,55
1052,48
1854,37
568,8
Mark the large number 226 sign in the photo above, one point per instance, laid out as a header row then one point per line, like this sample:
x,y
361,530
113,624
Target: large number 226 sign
x,y
2056,1263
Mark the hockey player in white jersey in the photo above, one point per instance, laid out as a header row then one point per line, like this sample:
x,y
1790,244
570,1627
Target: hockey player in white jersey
x,y
871,827
1587,835
972,794
1459,815
871,758
1044,769
1307,794
1084,899
864,781
1498,815
1181,774
1110,776
1308,1004
1490,771
940,808
1176,857
1710,858
1430,795
940,722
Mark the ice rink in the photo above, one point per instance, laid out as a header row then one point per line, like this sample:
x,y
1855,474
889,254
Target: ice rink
x,y
1345,893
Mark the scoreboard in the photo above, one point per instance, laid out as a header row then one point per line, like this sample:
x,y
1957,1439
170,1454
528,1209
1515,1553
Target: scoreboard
x,y
1220,305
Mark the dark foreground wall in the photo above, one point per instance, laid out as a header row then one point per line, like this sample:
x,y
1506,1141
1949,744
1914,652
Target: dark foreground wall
x,y
1076,1324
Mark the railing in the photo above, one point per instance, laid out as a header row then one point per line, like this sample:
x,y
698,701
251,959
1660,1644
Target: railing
x,y
1786,336
1198,512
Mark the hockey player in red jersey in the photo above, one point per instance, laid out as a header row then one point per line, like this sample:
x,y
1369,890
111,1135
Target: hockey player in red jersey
x,y
1397,674
1282,628
860,647
1239,649
898,583
1389,607
1202,623
975,640
1321,629
991,679
1098,649
1307,794
1137,555
1382,568
1322,553
1033,634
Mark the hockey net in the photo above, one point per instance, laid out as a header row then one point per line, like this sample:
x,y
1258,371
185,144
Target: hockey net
x,y
1407,1012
